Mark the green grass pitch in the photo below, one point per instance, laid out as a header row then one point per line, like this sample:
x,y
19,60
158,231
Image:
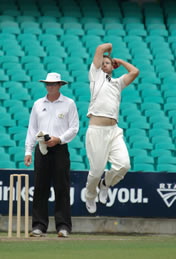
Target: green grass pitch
x,y
80,246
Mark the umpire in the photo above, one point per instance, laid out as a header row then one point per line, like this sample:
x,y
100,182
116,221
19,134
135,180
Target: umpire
x,y
53,123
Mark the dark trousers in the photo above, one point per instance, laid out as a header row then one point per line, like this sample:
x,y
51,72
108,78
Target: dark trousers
x,y
52,169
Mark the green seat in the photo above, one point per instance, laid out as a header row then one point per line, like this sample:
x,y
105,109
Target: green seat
x,y
3,95
76,73
118,32
146,86
139,159
153,99
33,30
20,115
165,146
16,109
95,31
134,131
150,106
6,164
10,65
10,103
53,30
29,59
77,65
144,145
23,122
77,166
82,91
29,104
10,29
21,165
44,38
85,20
73,50
7,18
170,168
3,76
22,77
19,157
13,70
74,31
166,159
3,130
75,158
37,72
67,92
91,39
83,77
20,96
159,31
35,51
73,24
169,107
154,38
137,32
143,167
164,125
136,117
138,139
24,37
25,18
158,153
33,65
159,116
163,55
11,11
15,129
52,59
134,98
4,156
158,132
6,141
7,122
122,123
93,25
76,143
149,77
134,151
39,91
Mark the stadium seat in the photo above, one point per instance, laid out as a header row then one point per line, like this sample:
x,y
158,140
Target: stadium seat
x,y
62,36
170,168
143,167
6,164
78,166
156,153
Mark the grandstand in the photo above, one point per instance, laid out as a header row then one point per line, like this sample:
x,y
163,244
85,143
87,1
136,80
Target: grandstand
x,y
37,37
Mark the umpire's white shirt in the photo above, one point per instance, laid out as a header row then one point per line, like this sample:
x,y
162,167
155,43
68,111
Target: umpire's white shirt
x,y
105,95
59,119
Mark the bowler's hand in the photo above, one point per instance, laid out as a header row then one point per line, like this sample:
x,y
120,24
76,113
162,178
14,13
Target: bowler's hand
x,y
53,141
116,62
28,160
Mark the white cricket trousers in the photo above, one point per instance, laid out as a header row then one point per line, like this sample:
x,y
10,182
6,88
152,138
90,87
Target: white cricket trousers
x,y
103,144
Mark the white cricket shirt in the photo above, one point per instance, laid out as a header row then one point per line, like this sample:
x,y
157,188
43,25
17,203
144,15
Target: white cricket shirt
x,y
105,95
59,119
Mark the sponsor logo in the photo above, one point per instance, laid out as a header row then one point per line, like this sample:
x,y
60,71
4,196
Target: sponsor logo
x,y
167,191
123,195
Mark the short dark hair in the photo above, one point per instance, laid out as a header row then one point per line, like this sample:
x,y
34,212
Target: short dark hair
x,y
109,57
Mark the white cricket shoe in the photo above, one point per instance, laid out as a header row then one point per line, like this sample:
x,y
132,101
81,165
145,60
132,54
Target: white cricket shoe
x,y
63,233
37,233
103,194
91,205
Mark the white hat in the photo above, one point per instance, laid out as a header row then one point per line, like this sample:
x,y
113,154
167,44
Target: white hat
x,y
53,78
